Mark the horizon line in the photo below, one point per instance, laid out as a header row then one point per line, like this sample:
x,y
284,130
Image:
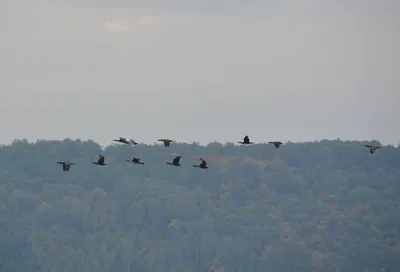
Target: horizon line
x,y
155,142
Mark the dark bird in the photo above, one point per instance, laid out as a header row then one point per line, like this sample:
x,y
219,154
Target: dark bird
x,y
372,148
277,144
135,161
166,142
246,141
175,161
66,165
203,164
100,160
121,140
124,141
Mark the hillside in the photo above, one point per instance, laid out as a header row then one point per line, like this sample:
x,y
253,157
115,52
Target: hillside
x,y
320,206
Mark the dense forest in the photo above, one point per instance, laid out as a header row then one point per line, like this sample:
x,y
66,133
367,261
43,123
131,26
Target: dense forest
x,y
316,206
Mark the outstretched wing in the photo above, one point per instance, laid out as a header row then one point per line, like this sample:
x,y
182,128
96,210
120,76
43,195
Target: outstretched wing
x,y
101,160
203,163
176,160
166,141
277,144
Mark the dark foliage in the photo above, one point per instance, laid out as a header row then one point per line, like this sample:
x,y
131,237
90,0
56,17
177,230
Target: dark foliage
x,y
321,206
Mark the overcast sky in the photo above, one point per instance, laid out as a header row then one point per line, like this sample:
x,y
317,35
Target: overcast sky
x,y
189,70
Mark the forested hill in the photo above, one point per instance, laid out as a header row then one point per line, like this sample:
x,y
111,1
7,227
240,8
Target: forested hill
x,y
321,206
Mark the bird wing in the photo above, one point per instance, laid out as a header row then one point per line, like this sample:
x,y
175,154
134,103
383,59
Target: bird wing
x,y
203,163
101,160
368,146
176,159
165,141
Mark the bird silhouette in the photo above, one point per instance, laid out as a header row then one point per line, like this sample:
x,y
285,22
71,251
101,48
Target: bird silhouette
x,y
203,164
124,141
135,161
66,165
175,161
372,148
100,160
121,140
246,141
166,142
277,144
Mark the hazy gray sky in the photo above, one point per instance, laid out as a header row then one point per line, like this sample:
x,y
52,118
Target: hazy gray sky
x,y
200,70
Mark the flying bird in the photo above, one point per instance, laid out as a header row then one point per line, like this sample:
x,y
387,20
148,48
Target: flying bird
x,y
166,142
372,148
124,141
246,141
277,144
66,165
100,160
121,140
175,161
135,161
203,164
